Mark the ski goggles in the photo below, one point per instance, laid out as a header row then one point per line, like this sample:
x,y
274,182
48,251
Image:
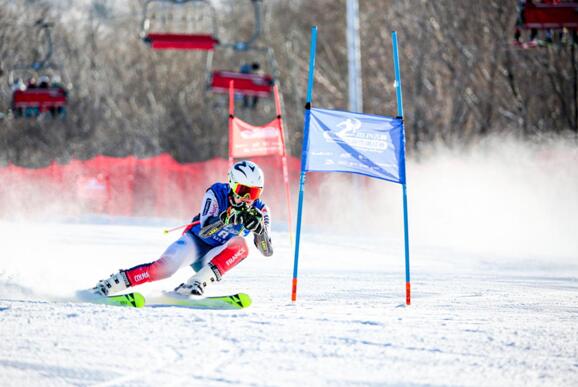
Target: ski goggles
x,y
246,192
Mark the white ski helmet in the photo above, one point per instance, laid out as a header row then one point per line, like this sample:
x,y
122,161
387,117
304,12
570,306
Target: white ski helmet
x,y
246,179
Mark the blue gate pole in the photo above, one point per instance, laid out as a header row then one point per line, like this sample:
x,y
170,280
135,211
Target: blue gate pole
x,y
399,96
304,151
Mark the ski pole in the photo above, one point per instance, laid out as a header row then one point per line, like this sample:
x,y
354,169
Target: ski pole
x,y
167,230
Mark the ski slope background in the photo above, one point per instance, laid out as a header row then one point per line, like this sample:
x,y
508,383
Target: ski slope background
x,y
494,250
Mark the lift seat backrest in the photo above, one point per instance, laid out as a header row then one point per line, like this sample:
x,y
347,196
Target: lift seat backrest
x,y
41,98
246,84
541,16
162,41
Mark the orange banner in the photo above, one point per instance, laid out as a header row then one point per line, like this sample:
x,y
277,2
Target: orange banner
x,y
249,140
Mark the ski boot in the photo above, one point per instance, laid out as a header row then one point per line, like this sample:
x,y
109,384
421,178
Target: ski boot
x,y
113,284
195,286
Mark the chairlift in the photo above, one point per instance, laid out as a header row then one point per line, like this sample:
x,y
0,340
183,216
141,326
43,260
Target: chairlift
x,y
32,102
247,83
555,16
48,95
259,84
166,41
244,84
181,39
546,16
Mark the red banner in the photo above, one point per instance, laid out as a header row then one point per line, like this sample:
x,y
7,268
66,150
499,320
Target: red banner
x,y
248,140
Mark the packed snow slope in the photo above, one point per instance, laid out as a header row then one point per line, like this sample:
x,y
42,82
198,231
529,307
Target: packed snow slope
x,y
494,253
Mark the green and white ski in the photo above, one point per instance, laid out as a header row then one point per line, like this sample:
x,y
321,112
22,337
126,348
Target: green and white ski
x,y
234,301
135,300
132,300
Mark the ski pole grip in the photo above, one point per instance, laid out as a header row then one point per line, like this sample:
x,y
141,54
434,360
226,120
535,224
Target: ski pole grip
x,y
168,230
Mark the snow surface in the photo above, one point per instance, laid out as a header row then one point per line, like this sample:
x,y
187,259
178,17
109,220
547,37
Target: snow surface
x,y
494,279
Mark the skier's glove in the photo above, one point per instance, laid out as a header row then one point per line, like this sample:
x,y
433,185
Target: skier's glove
x,y
232,216
254,221
263,243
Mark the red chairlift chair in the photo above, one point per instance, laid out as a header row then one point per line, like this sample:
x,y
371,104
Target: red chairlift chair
x,y
545,16
48,96
32,102
168,41
244,84
43,99
164,40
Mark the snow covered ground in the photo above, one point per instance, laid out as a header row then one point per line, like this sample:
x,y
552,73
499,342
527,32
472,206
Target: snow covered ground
x,y
494,275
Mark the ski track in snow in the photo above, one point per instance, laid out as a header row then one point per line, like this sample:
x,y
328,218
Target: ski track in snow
x,y
476,320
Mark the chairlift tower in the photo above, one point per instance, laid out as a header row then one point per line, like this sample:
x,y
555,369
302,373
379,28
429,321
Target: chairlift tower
x,y
354,57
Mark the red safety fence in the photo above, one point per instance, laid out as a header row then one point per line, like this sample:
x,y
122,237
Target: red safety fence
x,y
157,186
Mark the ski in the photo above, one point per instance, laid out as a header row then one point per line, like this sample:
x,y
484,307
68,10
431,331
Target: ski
x,y
234,301
132,300
135,300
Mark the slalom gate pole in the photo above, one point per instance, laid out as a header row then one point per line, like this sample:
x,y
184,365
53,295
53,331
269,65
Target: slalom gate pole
x,y
304,150
283,153
231,116
399,96
288,197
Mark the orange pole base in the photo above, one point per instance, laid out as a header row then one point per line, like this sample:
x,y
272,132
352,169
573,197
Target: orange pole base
x,y
294,290
407,293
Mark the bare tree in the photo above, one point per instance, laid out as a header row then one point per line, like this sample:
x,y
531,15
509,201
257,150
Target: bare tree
x,y
462,78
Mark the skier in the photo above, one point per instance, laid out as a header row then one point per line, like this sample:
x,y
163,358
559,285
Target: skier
x,y
250,68
213,243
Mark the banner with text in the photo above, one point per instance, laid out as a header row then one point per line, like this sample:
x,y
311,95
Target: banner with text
x,y
365,144
249,140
